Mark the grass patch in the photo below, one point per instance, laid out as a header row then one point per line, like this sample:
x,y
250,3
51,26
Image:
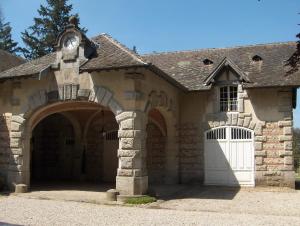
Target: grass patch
x,y
140,200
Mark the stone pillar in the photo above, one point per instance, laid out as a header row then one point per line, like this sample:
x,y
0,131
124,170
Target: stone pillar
x,y
18,170
132,176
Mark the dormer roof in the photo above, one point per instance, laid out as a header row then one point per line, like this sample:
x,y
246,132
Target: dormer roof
x,y
226,63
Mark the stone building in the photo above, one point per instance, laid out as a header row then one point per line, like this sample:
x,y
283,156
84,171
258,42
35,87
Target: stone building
x,y
95,111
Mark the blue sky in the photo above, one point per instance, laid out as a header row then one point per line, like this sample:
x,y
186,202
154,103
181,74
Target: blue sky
x,y
156,25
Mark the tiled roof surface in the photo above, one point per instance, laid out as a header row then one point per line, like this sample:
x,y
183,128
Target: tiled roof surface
x,y
8,60
187,67
29,68
111,54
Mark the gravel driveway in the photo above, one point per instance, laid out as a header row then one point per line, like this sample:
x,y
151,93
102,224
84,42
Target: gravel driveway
x,y
191,206
22,211
257,201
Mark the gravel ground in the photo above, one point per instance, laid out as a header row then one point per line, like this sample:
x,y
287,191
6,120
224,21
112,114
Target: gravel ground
x,y
24,211
257,201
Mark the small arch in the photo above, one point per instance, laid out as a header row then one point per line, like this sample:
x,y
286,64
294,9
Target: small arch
x,y
157,118
207,61
256,58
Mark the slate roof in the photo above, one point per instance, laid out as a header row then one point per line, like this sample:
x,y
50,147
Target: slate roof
x,y
29,68
187,67
7,60
110,54
184,68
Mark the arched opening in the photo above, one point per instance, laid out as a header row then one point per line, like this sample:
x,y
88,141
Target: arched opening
x,y
53,149
156,144
101,148
74,144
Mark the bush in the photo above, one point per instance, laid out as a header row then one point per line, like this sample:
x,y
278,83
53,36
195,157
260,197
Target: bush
x,y
140,200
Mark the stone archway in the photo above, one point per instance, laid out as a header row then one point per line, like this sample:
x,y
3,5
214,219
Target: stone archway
x,y
89,152
41,104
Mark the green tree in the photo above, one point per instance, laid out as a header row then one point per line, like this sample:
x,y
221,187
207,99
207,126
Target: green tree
x,y
294,60
40,37
296,149
296,141
6,41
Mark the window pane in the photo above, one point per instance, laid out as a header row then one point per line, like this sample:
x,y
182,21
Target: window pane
x,y
228,98
223,99
233,98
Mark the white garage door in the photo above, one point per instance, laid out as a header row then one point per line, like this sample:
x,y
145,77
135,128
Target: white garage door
x,y
229,156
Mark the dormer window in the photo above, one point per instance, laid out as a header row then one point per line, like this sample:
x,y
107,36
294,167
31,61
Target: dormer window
x,y
256,58
207,62
228,98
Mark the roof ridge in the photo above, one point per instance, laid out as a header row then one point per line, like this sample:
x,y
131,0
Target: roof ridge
x,y
123,47
221,48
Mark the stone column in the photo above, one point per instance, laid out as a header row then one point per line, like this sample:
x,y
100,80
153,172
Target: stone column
x,y
132,176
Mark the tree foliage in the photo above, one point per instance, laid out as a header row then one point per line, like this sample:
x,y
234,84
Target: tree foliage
x,y
296,141
294,60
6,41
40,37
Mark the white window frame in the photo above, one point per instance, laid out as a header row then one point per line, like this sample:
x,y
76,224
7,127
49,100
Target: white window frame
x,y
231,105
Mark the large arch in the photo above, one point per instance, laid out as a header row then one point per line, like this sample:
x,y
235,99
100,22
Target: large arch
x,y
52,149
88,160
40,106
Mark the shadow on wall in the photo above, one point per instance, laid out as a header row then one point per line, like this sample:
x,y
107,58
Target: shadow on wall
x,y
8,161
7,224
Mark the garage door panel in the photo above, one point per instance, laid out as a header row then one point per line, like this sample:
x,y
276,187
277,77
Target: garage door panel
x,y
249,156
243,176
215,177
215,158
229,157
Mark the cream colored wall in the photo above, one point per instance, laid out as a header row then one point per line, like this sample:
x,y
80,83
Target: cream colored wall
x,y
115,81
264,104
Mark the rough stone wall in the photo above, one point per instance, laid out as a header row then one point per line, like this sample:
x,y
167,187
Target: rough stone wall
x,y
16,171
269,163
132,171
93,154
5,154
274,164
156,156
97,152
191,153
